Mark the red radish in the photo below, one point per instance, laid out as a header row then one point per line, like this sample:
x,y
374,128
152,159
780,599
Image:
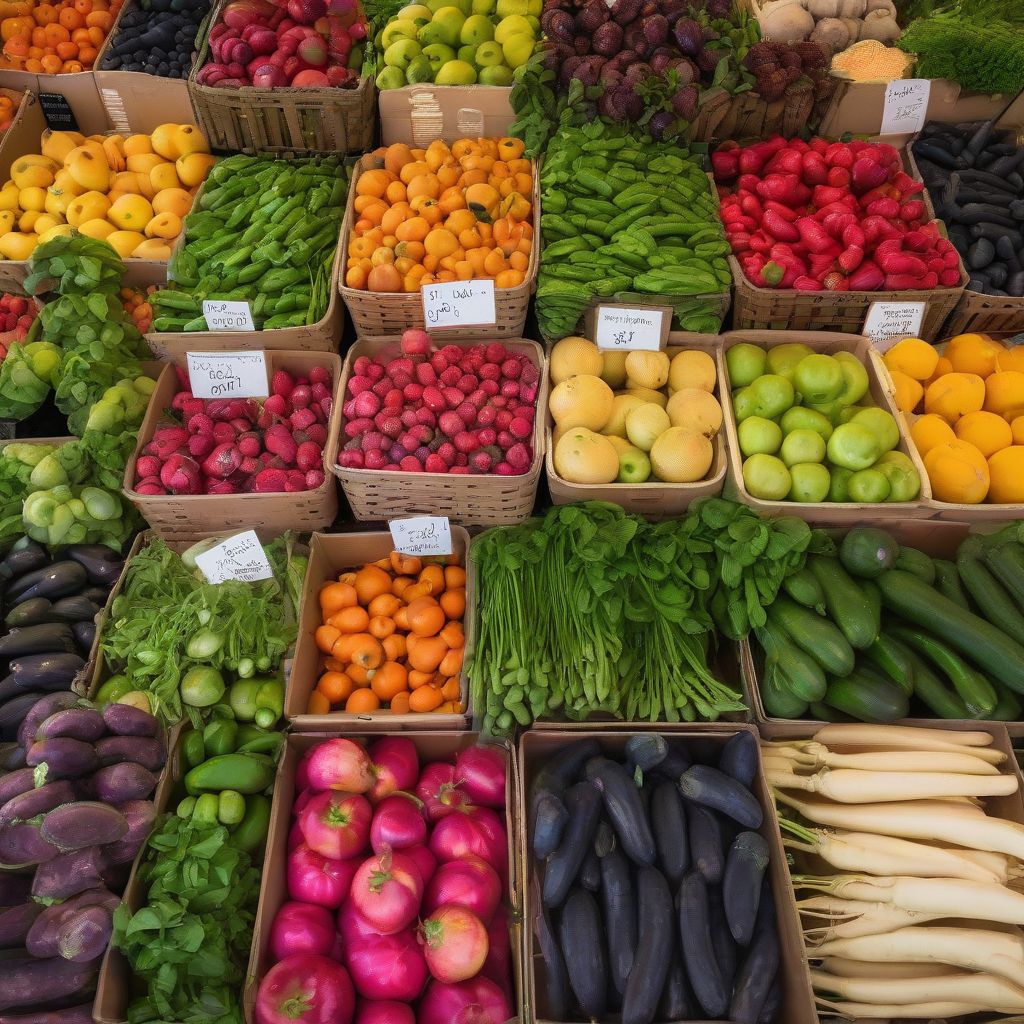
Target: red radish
x,y
336,825
384,1011
479,1001
476,831
423,859
314,878
470,882
301,928
387,890
387,966
397,823
307,989
340,764
481,772
440,790
454,943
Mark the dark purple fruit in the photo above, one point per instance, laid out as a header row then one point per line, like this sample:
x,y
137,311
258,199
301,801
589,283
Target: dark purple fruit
x,y
591,16
689,37
558,25
607,40
655,29
625,11
684,102
662,125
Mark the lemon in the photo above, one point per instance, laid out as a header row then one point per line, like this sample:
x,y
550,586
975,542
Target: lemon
x,y
622,406
647,369
644,425
649,395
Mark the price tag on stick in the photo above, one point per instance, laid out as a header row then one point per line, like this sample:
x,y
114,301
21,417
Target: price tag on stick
x,y
631,328
906,106
888,322
228,316
458,304
228,374
422,535
238,558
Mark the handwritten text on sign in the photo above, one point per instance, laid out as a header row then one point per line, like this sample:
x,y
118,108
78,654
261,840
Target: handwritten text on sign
x,y
906,106
888,322
228,374
228,316
629,330
238,558
422,535
459,304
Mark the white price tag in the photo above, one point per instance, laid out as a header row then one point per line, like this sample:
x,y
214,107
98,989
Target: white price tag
x,y
422,535
228,374
629,330
888,322
458,304
227,316
906,106
238,558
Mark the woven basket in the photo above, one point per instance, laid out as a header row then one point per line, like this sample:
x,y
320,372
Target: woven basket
x,y
382,314
282,121
653,499
179,518
469,500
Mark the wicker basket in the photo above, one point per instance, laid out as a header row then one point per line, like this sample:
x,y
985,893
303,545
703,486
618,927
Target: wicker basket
x,y
470,499
382,314
747,116
178,518
653,499
282,121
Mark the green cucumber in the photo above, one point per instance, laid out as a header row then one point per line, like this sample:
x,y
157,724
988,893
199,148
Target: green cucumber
x,y
847,605
805,589
823,713
985,590
868,552
947,579
892,658
929,689
1009,707
916,562
821,639
1007,564
868,698
874,596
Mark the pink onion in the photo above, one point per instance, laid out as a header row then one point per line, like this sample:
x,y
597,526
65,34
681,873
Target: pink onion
x,y
423,859
383,1011
478,831
397,823
469,882
388,966
307,989
481,770
301,928
387,890
395,766
466,1002
498,965
314,878
340,764
440,790
454,943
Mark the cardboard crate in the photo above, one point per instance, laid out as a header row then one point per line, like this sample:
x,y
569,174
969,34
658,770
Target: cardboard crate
x,y
431,746
536,747
331,554
422,113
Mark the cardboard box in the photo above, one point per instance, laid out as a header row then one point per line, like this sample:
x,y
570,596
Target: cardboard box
x,y
331,554
827,513
535,748
135,103
419,114
431,746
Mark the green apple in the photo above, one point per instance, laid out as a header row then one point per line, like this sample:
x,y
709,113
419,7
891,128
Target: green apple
x,y
401,53
534,24
759,436
476,29
507,7
518,49
634,466
514,24
467,53
438,54
489,54
456,72
443,28
419,70
856,378
495,75
400,28
810,482
802,446
391,78
882,425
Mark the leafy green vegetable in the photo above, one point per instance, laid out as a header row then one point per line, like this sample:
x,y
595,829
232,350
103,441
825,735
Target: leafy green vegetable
x,y
76,515
74,263
24,380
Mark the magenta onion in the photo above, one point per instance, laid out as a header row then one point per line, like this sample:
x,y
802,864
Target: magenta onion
x,y
423,859
307,989
397,823
314,878
340,764
481,771
498,965
469,882
295,837
302,772
454,943
383,1011
387,966
352,925
395,766
335,824
466,1002
387,891
440,791
301,928
478,831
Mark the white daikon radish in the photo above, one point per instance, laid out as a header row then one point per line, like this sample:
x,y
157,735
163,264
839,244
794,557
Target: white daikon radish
x,y
851,918
850,786
931,1010
980,990
899,737
817,755
861,969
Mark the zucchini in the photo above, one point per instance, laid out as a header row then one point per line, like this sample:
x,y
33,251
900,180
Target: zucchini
x,y
701,963
579,932
947,579
650,966
805,589
917,562
668,819
868,552
1007,565
987,593
845,602
823,713
705,785
620,917
821,639
624,808
797,670
867,698
987,646
932,692
890,657
778,699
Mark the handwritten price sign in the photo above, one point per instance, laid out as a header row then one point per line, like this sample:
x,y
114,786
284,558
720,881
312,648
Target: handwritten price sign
x,y
228,374
459,304
630,329
238,558
906,106
422,535
888,322
228,316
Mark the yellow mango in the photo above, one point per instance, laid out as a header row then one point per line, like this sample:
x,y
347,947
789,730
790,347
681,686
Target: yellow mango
x,y
89,170
152,249
57,145
193,168
33,198
16,246
125,242
90,206
97,228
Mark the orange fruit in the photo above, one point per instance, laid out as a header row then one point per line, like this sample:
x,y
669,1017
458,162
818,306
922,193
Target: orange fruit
x,y
1006,469
912,356
955,395
988,432
973,353
958,472
907,391
1004,393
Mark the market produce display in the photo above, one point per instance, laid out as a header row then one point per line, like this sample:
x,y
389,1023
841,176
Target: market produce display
x,y
911,891
304,44
265,232
835,24
362,846
457,409
133,193
241,445
653,895
51,39
156,37
457,44
442,214
17,315
391,637
623,217
832,216
808,430
660,422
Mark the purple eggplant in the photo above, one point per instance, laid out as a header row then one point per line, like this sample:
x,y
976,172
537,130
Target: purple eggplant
x,y
77,608
40,639
52,671
24,844
125,781
44,935
27,983
14,889
124,720
141,816
13,712
56,580
80,1014
41,710
25,556
70,873
37,801
82,824
15,783
84,634
102,565
64,757
150,752
85,724
16,922
85,936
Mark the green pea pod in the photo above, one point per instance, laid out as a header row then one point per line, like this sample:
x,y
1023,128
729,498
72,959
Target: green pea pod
x,y
593,182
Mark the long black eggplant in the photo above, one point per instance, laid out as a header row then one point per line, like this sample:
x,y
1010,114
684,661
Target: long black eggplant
x,y
741,887
590,871
668,822
583,802
46,671
47,637
620,917
554,984
558,773
624,807
102,565
13,711
726,950
770,1009
760,966
57,580
676,761
29,613
550,818
676,1001
650,965
698,952
85,635
713,788
579,931
739,758
645,751
704,830
25,556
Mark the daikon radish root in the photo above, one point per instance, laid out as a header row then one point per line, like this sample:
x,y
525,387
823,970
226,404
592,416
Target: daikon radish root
x,y
849,786
933,1010
852,918
983,991
957,825
899,737
883,855
947,897
817,755
861,969
1002,866
975,949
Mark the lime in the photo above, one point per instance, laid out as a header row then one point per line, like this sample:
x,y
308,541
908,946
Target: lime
x,y
810,482
456,72
868,487
882,425
746,363
802,418
802,446
766,477
773,394
853,446
838,489
759,436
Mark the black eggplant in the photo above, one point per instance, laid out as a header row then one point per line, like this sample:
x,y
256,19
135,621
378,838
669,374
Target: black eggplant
x,y
741,887
695,935
739,758
559,772
45,671
57,580
704,830
760,966
583,802
29,613
620,917
554,982
650,965
85,635
624,807
645,751
579,931
705,785
726,950
590,871
39,639
77,608
13,711
676,999
677,760
102,565
24,557
549,822
668,821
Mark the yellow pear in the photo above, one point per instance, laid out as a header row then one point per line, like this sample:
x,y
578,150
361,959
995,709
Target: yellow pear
x,y
89,146
7,221
29,172
58,200
89,169
17,246
143,163
57,145
164,176
164,141
90,206
152,249
45,221
28,219
135,145
113,147
125,242
63,180
97,228
9,197
55,231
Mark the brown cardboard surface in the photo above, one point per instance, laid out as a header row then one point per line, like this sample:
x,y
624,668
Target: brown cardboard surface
x,y
330,554
422,113
79,89
536,747
273,889
135,103
827,513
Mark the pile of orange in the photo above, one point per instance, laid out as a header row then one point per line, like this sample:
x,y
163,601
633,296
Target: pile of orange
x,y
970,431
392,638
137,305
442,214
56,38
7,112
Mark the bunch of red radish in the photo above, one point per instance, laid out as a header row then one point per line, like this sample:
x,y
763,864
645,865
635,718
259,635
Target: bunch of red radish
x,y
830,216
454,409
17,314
242,445
395,883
